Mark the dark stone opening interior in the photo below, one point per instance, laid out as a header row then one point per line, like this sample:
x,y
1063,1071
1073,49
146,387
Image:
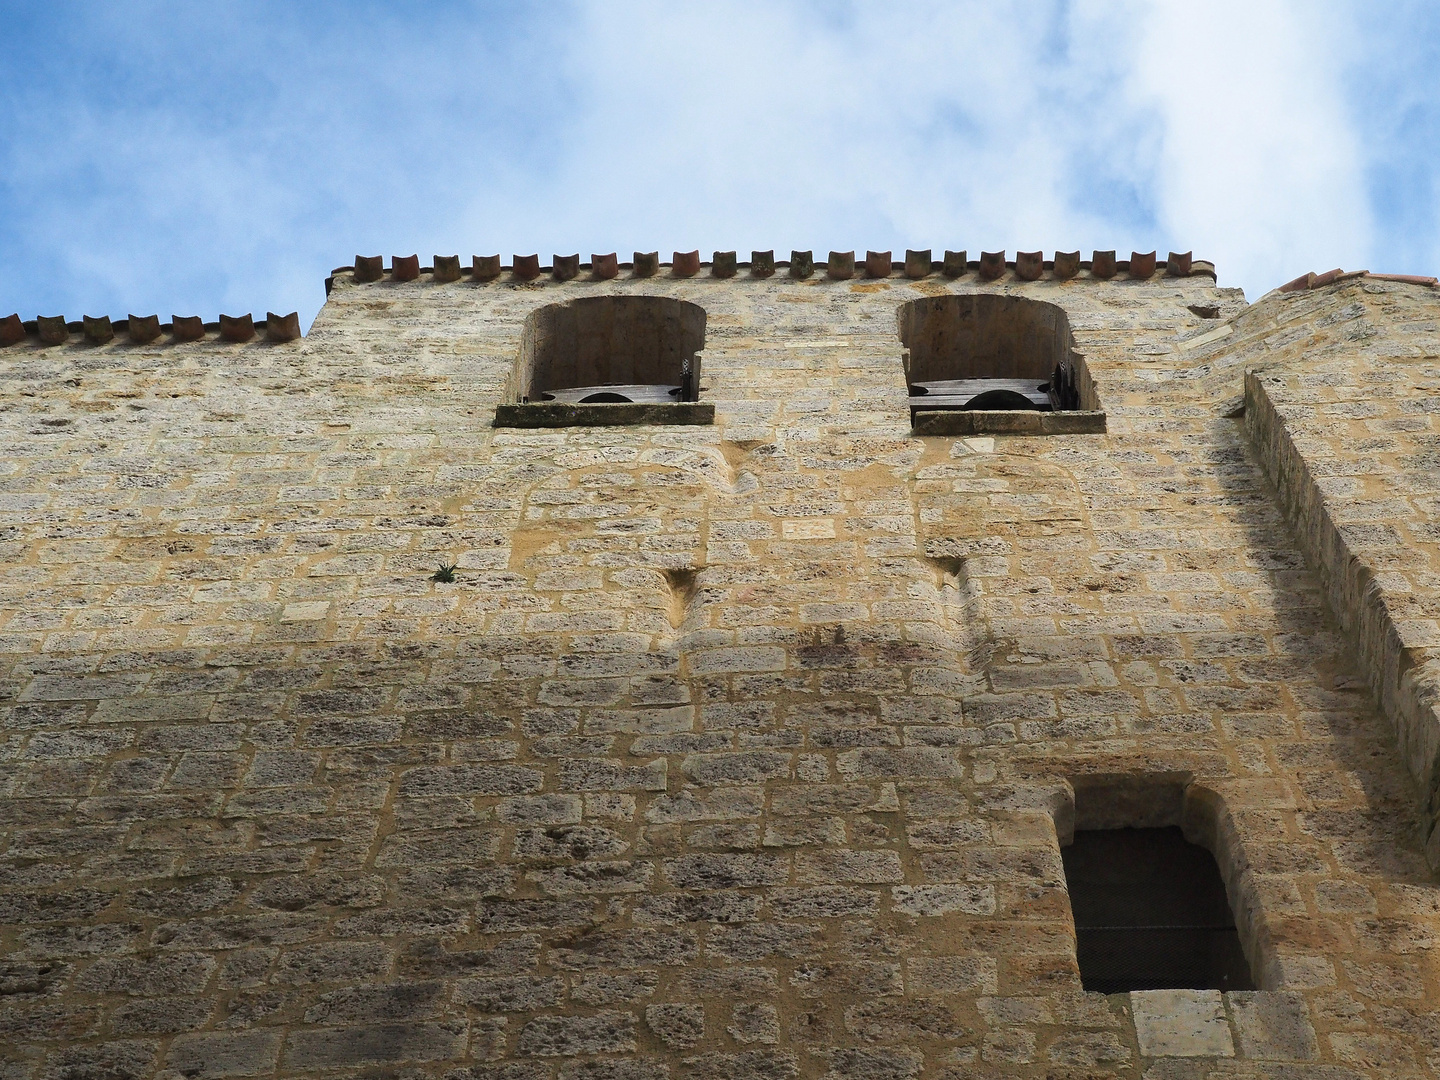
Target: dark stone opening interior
x,y
985,351
614,349
1151,913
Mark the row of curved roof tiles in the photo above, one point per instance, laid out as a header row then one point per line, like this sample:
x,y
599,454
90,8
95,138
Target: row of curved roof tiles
x,y
1313,280
144,329
1027,265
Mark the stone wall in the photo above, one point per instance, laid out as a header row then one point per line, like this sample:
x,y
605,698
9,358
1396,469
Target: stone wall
x,y
1341,416
740,750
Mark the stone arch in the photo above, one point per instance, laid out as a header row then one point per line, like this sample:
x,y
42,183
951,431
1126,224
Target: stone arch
x,y
643,346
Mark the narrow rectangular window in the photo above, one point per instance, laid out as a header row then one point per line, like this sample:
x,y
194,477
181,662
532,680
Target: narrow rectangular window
x,y
1151,913
604,360
980,363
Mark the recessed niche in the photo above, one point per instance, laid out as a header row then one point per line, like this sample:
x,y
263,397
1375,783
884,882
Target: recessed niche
x,y
609,360
984,363
1151,905
1151,913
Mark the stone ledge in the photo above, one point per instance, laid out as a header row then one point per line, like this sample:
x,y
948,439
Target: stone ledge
x,y
1401,675
544,414
1007,422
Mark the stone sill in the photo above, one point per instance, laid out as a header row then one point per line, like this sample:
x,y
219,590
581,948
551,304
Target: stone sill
x,y
1006,422
545,414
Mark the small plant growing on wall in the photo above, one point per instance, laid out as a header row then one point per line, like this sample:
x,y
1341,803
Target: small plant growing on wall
x,y
445,572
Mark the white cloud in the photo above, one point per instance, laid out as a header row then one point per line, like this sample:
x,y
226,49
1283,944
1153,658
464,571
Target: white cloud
x,y
781,125
1259,161
228,161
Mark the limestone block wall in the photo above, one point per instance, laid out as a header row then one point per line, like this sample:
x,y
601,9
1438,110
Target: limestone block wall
x,y
734,750
1343,420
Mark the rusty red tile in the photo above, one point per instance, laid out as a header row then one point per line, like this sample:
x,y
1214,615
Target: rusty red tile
x,y
840,265
918,264
1178,265
446,269
53,329
369,267
1142,266
142,329
12,330
1029,265
878,264
604,267
484,267
992,264
685,264
97,331
281,328
1409,279
1067,265
187,327
525,267
404,267
1102,264
238,328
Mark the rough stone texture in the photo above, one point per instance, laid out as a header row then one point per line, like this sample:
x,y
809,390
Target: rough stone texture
x,y
1343,420
735,750
1181,1024
680,1026
1273,1026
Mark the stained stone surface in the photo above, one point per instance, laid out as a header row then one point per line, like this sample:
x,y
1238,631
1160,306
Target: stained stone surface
x,y
1273,1025
1181,1024
739,750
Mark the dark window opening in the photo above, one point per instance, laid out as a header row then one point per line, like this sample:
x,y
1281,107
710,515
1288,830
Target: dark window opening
x,y
612,350
1151,914
986,352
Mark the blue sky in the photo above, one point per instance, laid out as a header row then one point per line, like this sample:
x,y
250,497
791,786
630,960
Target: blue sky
x,y
206,157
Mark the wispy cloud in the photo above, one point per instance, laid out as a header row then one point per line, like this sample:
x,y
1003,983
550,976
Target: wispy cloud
x,y
163,157
1258,163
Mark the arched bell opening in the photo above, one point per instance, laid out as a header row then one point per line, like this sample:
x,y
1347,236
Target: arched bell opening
x,y
1156,887
611,350
986,352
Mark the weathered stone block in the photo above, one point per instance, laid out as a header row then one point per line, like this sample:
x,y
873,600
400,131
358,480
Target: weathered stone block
x,y
943,899
469,780
845,867
362,1004
726,871
347,1047
523,993
952,974
1273,1026
562,1036
237,1053
751,1065
678,1026
1181,1023
754,1023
